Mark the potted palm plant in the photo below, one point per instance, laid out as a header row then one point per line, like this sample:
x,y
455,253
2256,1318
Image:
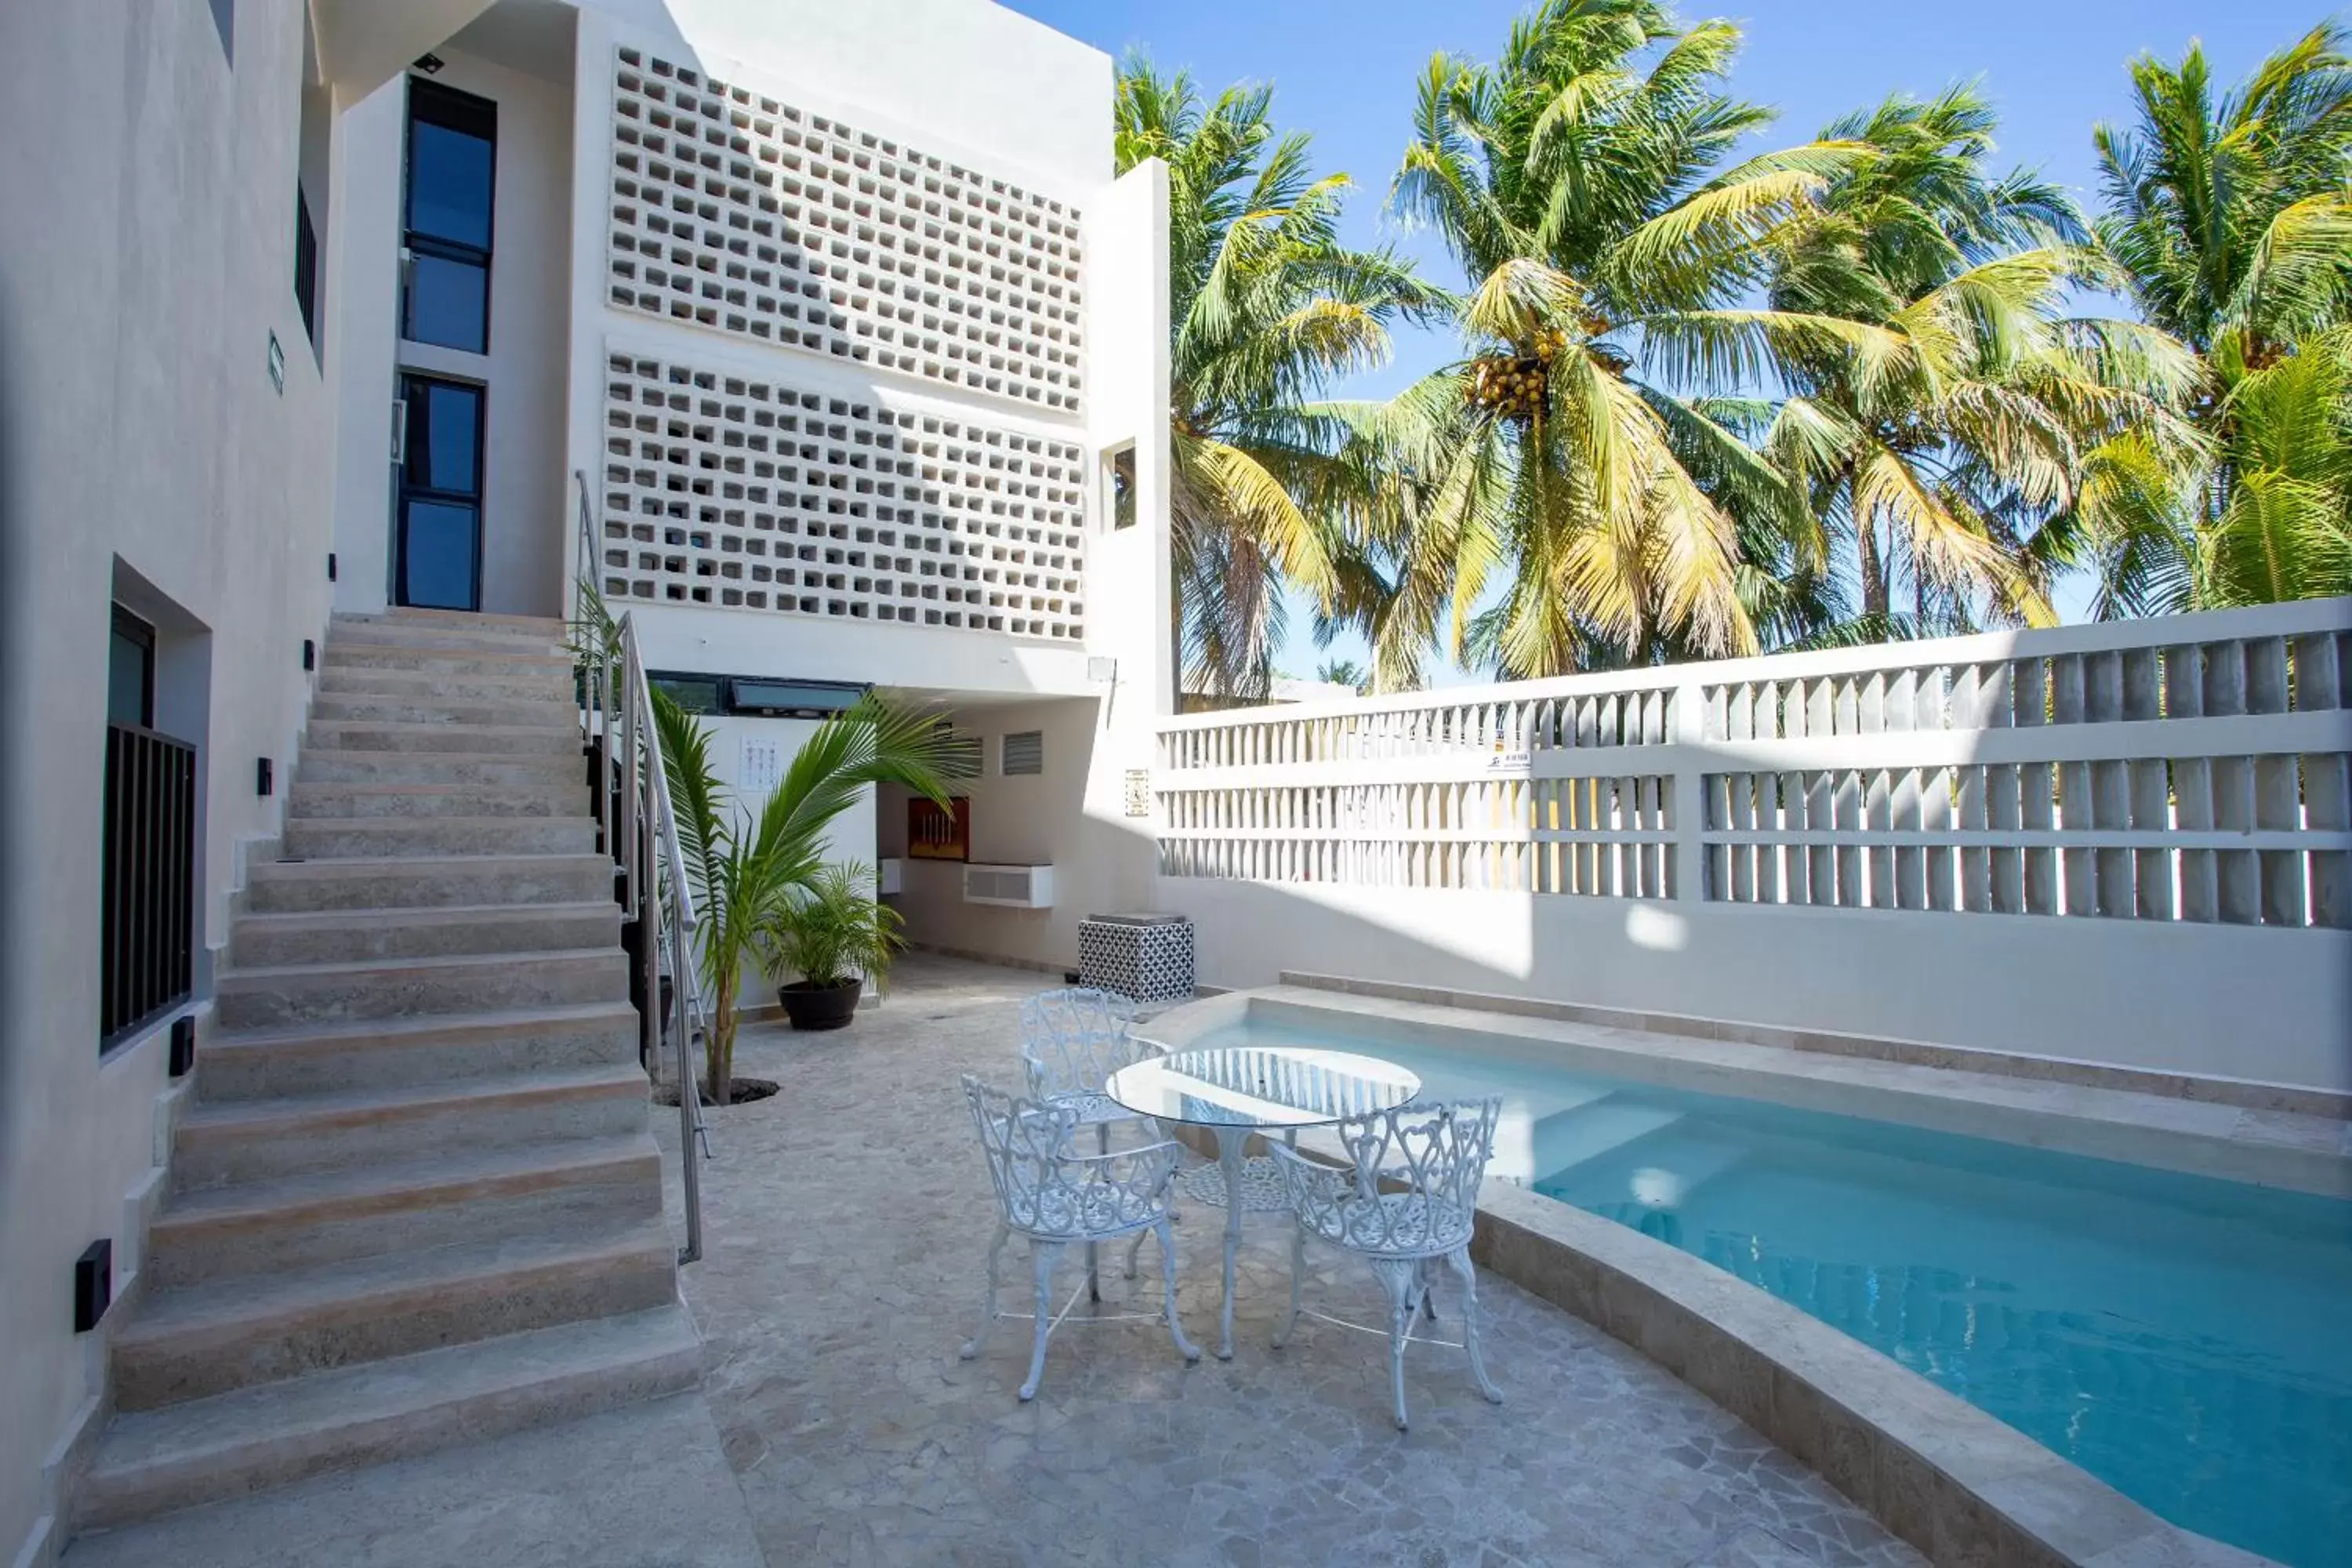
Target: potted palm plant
x,y
835,936
744,869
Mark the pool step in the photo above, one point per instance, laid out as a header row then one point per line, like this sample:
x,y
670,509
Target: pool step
x,y
1570,1138
1657,1173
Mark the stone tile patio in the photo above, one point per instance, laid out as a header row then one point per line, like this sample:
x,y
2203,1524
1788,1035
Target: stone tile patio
x,y
848,1220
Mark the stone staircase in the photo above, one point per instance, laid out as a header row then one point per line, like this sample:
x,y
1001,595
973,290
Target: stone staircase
x,y
414,1201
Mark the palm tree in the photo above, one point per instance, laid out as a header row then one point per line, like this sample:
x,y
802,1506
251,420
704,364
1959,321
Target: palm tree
x,y
2232,223
1345,672
1575,453
1266,308
1956,446
744,871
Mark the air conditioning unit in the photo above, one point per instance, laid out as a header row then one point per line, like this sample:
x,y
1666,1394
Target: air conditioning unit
x,y
1011,886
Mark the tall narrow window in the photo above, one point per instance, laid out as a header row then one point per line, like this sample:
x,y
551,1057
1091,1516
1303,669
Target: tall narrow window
x,y
306,266
1118,479
446,246
147,902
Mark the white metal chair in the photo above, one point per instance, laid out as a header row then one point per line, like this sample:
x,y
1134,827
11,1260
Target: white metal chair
x,y
1072,1040
1054,1196
1408,1199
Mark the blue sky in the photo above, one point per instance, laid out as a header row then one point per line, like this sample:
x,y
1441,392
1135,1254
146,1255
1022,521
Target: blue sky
x,y
1344,69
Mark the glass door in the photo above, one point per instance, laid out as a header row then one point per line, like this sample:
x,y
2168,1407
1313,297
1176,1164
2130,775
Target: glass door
x,y
439,559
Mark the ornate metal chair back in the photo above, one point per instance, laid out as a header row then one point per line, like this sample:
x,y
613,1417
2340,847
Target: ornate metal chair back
x,y
1027,1145
1435,1154
1073,1039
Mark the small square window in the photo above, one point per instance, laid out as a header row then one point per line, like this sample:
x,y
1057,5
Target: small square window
x,y
1118,484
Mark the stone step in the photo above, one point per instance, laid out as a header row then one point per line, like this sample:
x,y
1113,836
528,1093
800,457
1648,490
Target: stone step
x,y
284,887
534,683
493,740
377,838
397,988
154,1462
395,656
398,1053
458,620
348,936
197,1340
353,631
325,765
379,707
319,1217
261,1139
306,800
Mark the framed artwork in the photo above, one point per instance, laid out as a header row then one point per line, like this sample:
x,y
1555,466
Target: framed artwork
x,y
936,834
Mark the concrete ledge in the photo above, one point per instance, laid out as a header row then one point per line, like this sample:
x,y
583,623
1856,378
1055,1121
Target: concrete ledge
x,y
2243,1093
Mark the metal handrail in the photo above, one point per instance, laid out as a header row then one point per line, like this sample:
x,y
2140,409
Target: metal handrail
x,y
618,710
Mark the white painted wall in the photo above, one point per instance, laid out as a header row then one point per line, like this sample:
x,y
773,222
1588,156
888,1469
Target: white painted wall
x,y
850,838
1070,818
2238,1002
145,258
526,496
1015,95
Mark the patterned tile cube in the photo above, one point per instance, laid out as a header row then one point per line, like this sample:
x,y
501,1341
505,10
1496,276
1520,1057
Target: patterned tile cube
x,y
1148,958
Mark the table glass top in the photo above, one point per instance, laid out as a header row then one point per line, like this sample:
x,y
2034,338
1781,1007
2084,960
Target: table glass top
x,y
1261,1086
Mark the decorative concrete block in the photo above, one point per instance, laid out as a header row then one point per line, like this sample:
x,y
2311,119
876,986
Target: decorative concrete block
x,y
745,215
737,492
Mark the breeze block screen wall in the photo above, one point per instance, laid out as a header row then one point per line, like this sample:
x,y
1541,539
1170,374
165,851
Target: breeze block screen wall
x,y
752,218
738,492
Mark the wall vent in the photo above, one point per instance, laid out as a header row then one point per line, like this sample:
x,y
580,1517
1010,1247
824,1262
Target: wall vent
x,y
1010,886
1025,753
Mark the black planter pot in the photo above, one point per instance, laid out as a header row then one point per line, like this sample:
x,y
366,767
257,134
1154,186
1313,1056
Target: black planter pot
x,y
820,1006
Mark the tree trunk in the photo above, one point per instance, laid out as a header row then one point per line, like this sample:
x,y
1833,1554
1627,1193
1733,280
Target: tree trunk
x,y
1874,569
719,1050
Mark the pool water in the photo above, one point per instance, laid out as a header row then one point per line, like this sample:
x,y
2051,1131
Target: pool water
x,y
2188,1340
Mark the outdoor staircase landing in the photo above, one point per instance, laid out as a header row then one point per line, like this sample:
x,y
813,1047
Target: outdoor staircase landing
x,y
415,1202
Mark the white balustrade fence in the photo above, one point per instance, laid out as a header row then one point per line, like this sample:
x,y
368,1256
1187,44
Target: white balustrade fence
x,y
2191,768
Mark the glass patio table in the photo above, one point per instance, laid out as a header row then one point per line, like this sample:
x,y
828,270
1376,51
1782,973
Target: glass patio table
x,y
1235,1091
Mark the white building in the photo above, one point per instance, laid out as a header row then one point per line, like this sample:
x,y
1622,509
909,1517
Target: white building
x,y
826,326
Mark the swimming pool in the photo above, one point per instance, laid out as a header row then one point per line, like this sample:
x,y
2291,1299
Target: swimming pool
x,y
2186,1340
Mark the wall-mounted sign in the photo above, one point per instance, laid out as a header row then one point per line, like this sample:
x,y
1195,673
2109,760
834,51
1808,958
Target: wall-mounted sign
x,y
761,769
277,365
936,834
1138,791
1518,762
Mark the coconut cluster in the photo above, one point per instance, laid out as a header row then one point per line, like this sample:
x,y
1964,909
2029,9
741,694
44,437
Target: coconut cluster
x,y
1512,387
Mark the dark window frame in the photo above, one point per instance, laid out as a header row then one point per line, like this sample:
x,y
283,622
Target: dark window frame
x,y
408,490
306,265
431,103
137,631
147,856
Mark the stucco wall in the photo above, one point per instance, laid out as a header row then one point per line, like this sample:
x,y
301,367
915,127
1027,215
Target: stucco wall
x,y
1069,817
145,258
2242,1002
